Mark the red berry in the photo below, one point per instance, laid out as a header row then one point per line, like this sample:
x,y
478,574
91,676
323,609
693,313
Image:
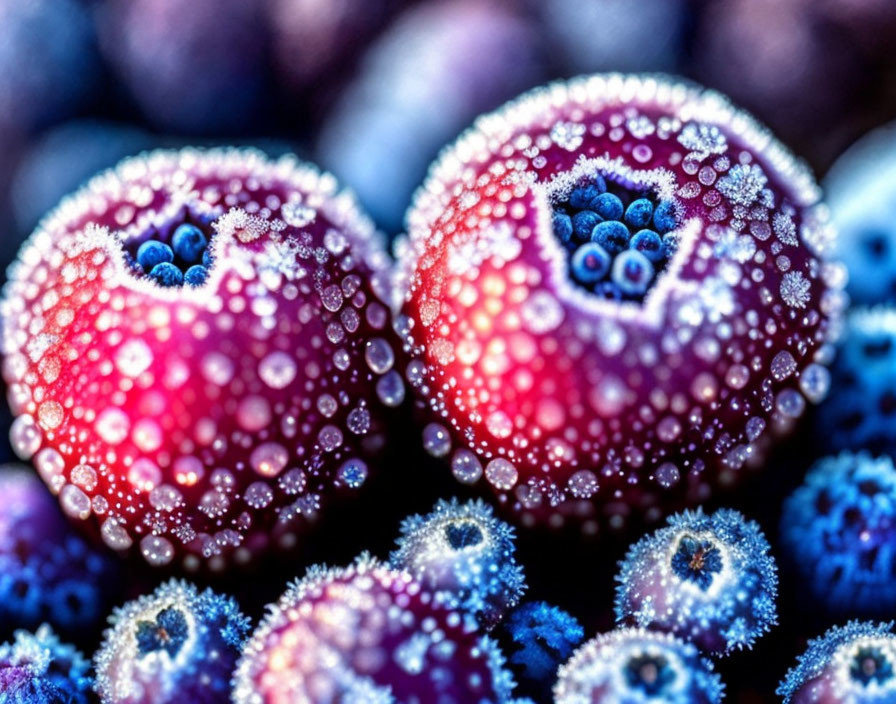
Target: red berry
x,y
634,393
207,419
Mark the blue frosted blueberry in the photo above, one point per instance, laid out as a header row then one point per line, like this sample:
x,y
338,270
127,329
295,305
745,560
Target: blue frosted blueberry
x,y
608,206
632,272
153,252
664,217
583,224
590,263
166,274
196,275
639,213
650,244
613,236
189,243
562,224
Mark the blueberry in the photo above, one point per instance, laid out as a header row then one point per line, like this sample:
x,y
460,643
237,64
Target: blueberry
x,y
613,236
153,252
196,275
189,243
562,227
638,213
206,259
590,263
664,217
608,206
632,272
582,196
649,244
166,274
583,224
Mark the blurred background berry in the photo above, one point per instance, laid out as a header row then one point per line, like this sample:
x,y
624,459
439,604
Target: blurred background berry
x,y
372,90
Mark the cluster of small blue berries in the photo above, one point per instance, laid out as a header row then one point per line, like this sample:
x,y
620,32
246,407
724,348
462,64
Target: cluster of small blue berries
x,y
36,668
185,260
617,240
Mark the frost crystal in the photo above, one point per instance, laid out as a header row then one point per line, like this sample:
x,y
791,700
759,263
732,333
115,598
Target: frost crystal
x,y
568,135
743,184
703,140
795,289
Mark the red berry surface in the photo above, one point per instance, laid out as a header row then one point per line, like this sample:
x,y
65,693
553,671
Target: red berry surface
x,y
202,411
566,374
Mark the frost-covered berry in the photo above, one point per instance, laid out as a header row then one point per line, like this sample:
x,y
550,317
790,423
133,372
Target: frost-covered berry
x,y
47,571
667,375
190,65
36,668
174,645
861,410
542,636
862,198
466,556
201,421
452,59
706,579
367,633
851,664
634,666
839,531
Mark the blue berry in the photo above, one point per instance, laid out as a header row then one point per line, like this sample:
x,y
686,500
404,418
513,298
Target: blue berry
x,y
582,196
543,636
590,263
36,668
632,272
166,274
855,663
466,556
664,217
196,275
583,224
839,531
176,644
207,258
613,236
608,206
638,213
861,411
153,252
562,227
707,579
634,666
189,243
650,244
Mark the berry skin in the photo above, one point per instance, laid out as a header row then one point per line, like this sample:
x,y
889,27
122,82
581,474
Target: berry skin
x,y
465,556
36,668
706,579
174,645
367,633
862,407
633,666
204,423
639,393
542,638
47,571
839,531
851,664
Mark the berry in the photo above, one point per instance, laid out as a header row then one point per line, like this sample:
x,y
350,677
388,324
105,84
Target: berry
x,y
47,571
608,206
839,531
189,243
862,408
563,227
462,57
49,66
648,243
706,579
36,668
584,225
189,65
638,213
590,263
634,666
174,645
166,274
416,649
211,424
196,275
465,556
637,393
851,664
542,638
153,252
863,205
